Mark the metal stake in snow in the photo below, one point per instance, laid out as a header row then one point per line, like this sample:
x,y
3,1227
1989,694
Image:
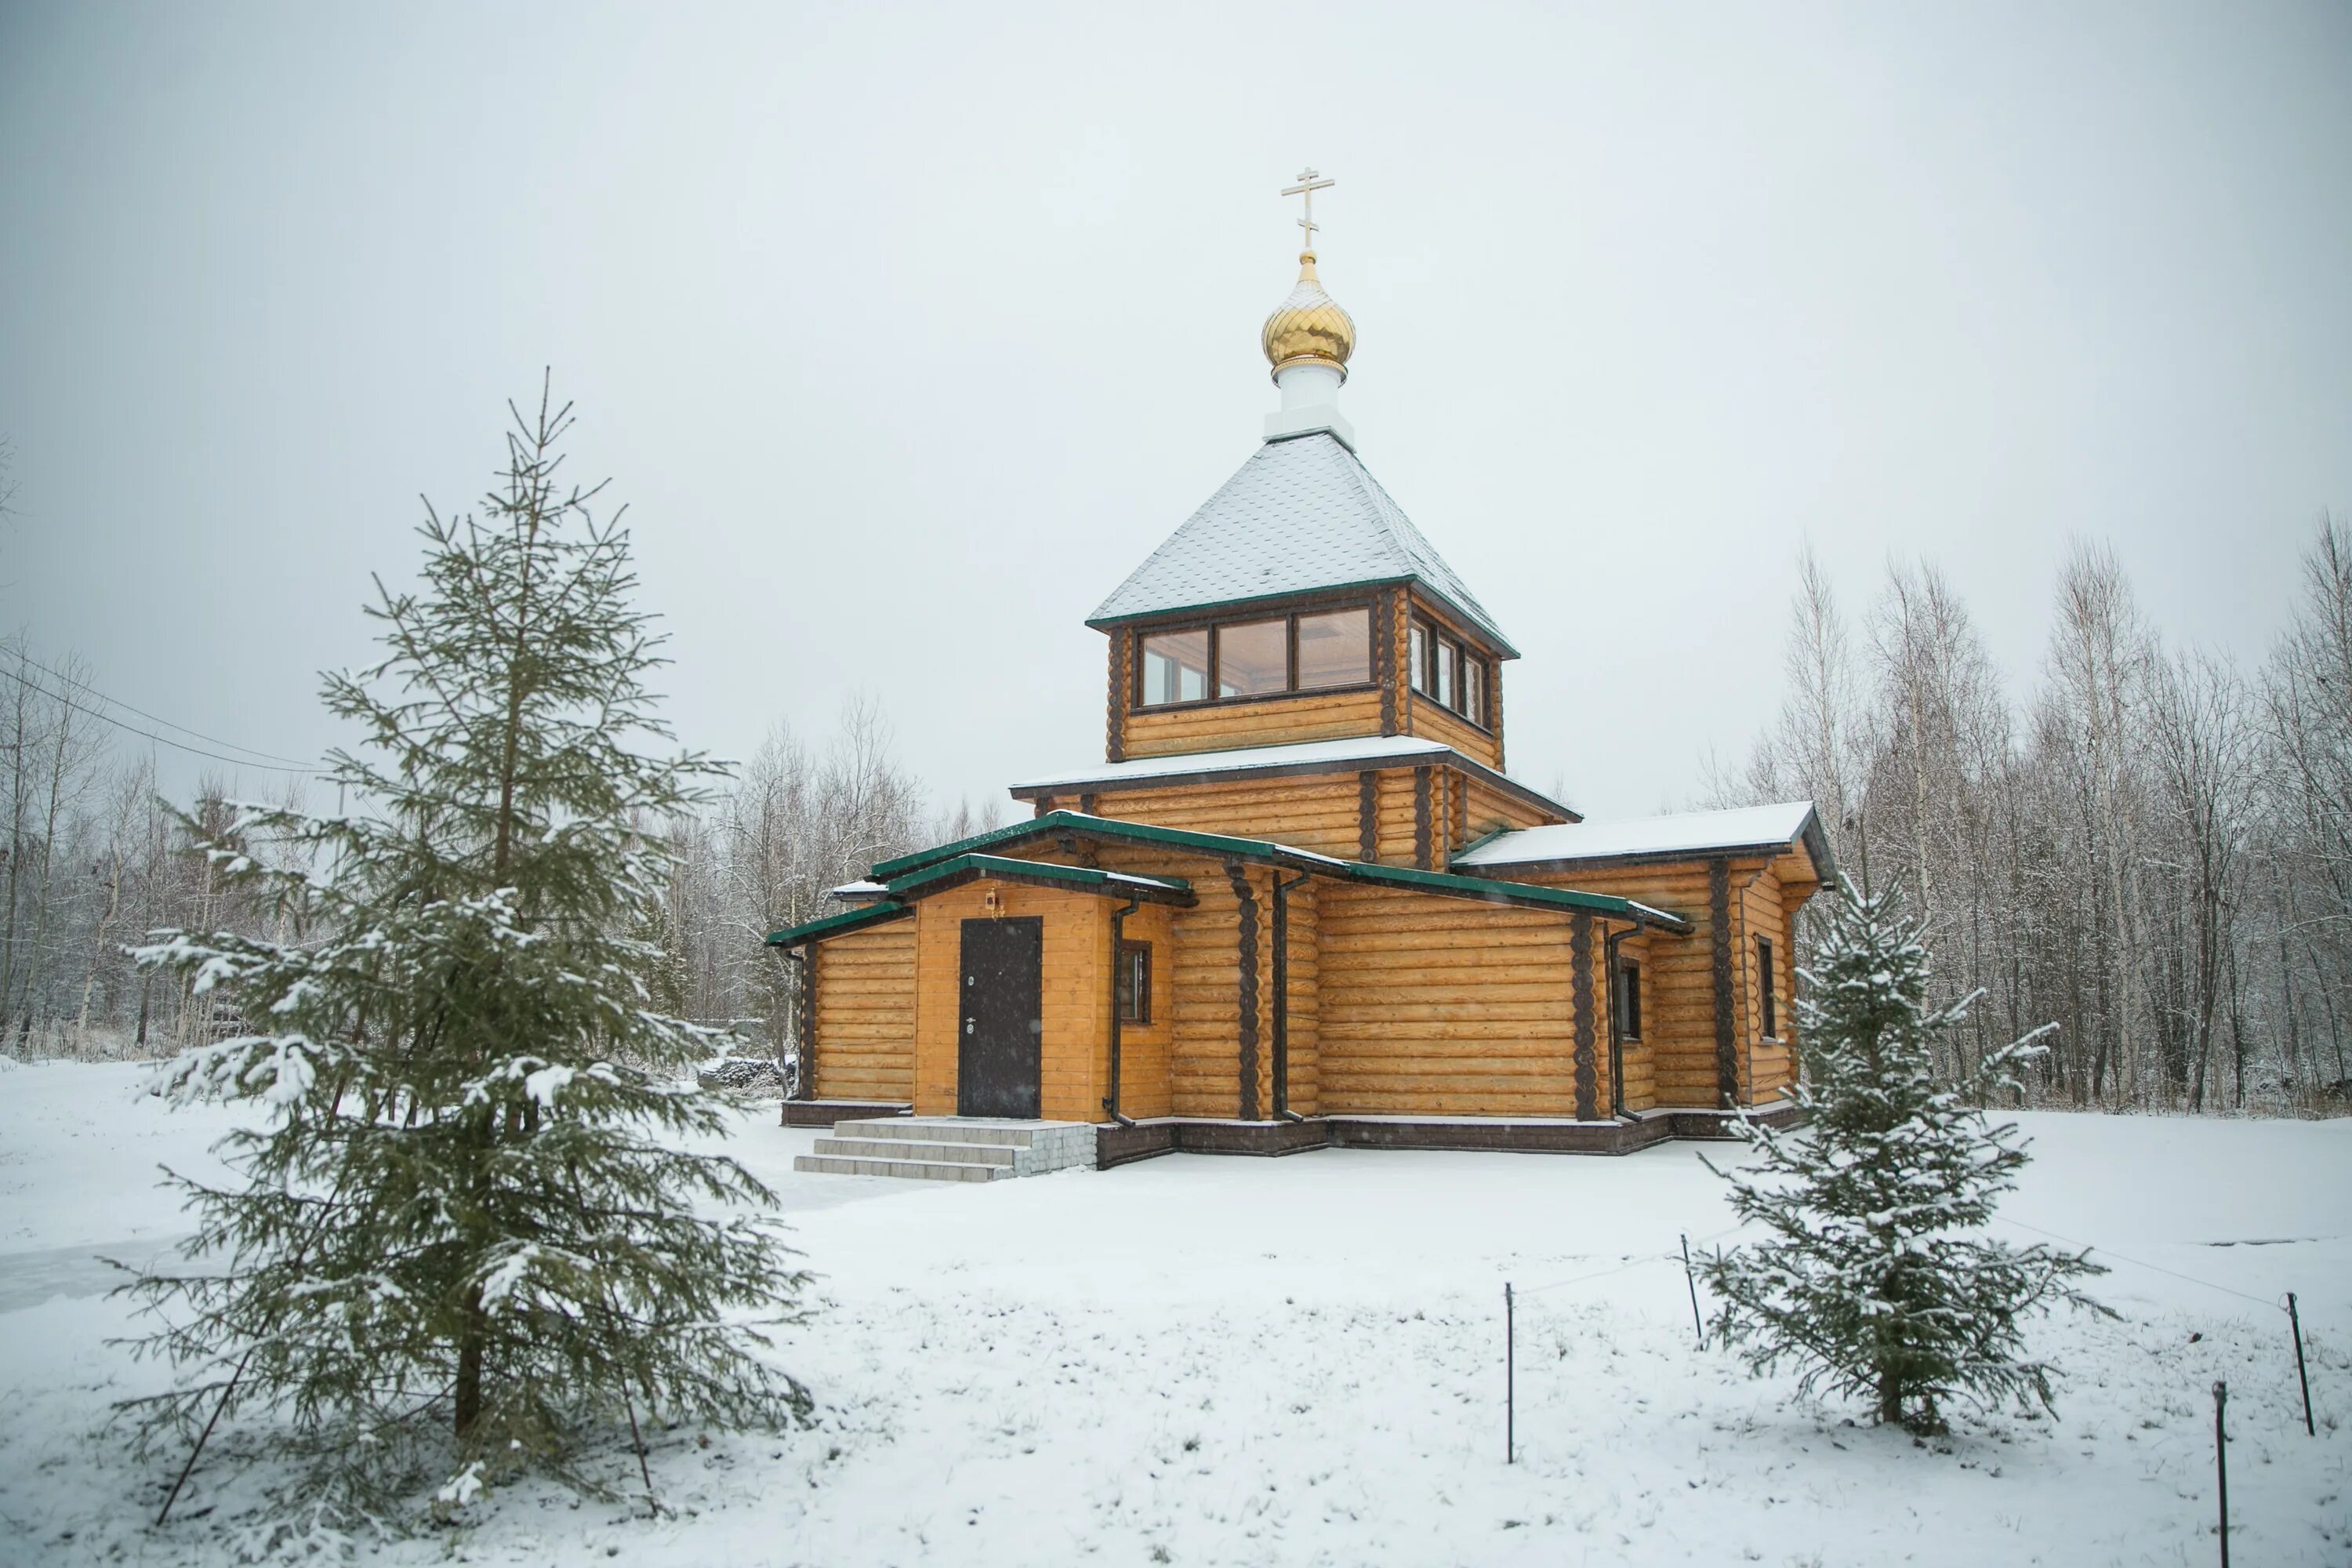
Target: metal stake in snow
x,y
1510,1381
1692,1280
2222,1463
2294,1321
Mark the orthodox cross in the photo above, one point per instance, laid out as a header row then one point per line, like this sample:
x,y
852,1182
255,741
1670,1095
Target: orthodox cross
x,y
1306,186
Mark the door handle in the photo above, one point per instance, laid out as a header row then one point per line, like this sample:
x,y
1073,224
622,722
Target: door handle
x,y
967,1025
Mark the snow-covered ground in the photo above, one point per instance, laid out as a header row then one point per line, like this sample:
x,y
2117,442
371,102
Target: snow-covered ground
x,y
1228,1360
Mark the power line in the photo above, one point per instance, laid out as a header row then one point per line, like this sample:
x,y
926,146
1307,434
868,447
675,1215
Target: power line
x,y
149,734
70,683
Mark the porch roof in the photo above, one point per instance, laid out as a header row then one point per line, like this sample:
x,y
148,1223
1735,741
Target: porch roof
x,y
838,925
962,868
957,869
1261,851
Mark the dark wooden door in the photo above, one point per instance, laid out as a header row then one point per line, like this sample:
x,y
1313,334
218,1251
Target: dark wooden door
x,y
1002,1024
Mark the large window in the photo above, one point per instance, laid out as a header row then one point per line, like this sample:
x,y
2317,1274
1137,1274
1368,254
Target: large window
x,y
1175,668
1335,649
1238,660
1135,983
1253,659
1452,674
1767,1003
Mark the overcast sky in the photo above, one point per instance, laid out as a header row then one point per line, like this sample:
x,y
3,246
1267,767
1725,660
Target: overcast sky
x,y
907,332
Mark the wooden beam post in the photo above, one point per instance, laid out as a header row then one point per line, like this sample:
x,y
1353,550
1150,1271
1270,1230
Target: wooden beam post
x,y
1580,955
1421,846
1245,897
1122,639
1727,1039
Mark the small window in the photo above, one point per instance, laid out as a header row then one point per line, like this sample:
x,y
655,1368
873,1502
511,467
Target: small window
x,y
1448,686
1175,668
1135,983
1628,1000
1335,649
1766,1004
1418,661
1253,659
1474,690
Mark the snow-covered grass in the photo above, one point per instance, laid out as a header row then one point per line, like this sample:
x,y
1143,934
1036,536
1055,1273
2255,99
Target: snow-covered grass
x,y
1207,1360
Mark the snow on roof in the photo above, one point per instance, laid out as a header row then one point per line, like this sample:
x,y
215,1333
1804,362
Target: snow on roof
x,y
1686,832
856,890
1357,749
1140,881
1301,514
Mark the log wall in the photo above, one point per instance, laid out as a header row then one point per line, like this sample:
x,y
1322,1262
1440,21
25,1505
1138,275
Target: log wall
x,y
1075,1045
1764,911
1269,721
1641,1091
865,1047
1144,1048
1422,715
1678,974
1433,1006
1489,809
1442,724
1312,813
1305,960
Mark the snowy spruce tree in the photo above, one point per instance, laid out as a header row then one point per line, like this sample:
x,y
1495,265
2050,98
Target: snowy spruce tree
x,y
467,1237
1875,1277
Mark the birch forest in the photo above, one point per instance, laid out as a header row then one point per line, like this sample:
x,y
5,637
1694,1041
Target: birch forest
x,y
2150,847
96,857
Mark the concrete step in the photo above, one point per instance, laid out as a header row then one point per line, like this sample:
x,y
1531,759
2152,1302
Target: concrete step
x,y
979,1148
914,1169
948,1130
944,1150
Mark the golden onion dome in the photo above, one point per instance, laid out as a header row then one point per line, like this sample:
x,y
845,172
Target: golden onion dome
x,y
1309,326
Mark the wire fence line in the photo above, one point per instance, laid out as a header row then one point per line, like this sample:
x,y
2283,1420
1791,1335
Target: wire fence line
x,y
1513,1296
1698,1241
2141,1263
1672,1258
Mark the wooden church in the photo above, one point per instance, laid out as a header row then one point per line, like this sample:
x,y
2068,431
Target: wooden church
x,y
1301,901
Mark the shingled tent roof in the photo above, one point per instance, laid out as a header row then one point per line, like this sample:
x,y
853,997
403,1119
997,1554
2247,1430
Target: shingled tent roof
x,y
1302,514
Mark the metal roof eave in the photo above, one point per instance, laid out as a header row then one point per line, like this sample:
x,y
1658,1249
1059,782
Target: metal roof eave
x,y
837,925
1809,837
1523,895
960,868
1079,822
1485,889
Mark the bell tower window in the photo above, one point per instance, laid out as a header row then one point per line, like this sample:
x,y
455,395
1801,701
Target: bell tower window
x,y
1175,668
1335,649
1234,661
1252,659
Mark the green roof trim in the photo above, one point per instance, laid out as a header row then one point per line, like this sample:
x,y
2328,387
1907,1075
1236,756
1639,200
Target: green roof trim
x,y
1486,838
968,867
909,873
1142,832
1525,894
837,925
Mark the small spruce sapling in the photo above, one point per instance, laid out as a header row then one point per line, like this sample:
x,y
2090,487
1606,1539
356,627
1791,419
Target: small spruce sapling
x,y
465,1235
1874,1277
